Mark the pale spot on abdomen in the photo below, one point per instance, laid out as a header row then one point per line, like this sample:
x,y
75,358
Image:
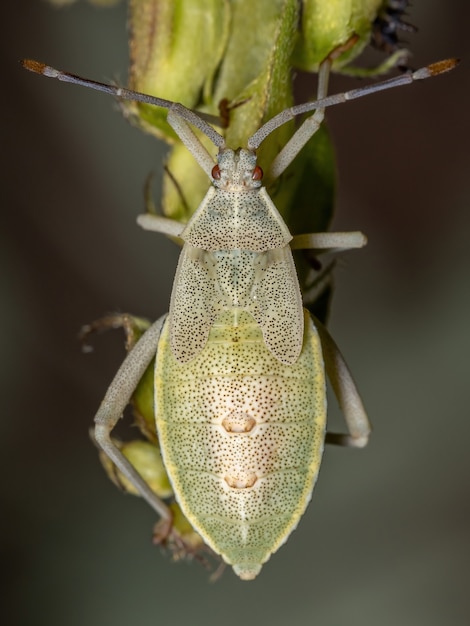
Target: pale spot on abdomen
x,y
238,422
240,479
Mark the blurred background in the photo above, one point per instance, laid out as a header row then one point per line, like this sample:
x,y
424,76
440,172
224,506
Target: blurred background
x,y
386,537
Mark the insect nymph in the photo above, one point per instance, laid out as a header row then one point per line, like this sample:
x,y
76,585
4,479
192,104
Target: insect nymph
x,y
240,399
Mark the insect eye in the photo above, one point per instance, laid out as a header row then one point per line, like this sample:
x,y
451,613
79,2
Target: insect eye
x,y
257,173
215,172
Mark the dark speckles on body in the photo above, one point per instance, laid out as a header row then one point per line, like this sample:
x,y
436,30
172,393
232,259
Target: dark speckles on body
x,y
242,435
236,256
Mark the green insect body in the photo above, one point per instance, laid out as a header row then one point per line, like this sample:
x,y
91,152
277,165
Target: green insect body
x,y
240,405
242,436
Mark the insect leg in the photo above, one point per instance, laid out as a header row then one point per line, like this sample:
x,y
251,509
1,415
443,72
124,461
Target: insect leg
x,y
192,143
347,394
308,128
329,242
116,399
160,224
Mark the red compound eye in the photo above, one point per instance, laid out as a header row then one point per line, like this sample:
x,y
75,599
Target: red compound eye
x,y
257,173
216,172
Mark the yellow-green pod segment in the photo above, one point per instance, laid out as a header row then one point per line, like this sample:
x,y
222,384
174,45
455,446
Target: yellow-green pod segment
x,y
242,437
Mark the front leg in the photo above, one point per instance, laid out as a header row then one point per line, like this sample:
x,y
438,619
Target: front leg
x,y
306,130
115,401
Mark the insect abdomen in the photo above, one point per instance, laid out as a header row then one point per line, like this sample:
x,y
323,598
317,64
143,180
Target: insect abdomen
x,y
241,436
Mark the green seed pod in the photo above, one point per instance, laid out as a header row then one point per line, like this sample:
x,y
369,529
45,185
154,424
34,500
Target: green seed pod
x,y
147,460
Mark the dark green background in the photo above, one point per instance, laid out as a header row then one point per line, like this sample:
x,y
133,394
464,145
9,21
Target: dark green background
x,y
385,540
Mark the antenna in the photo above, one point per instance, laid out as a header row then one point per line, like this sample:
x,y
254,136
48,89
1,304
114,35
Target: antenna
x,y
405,79
127,94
